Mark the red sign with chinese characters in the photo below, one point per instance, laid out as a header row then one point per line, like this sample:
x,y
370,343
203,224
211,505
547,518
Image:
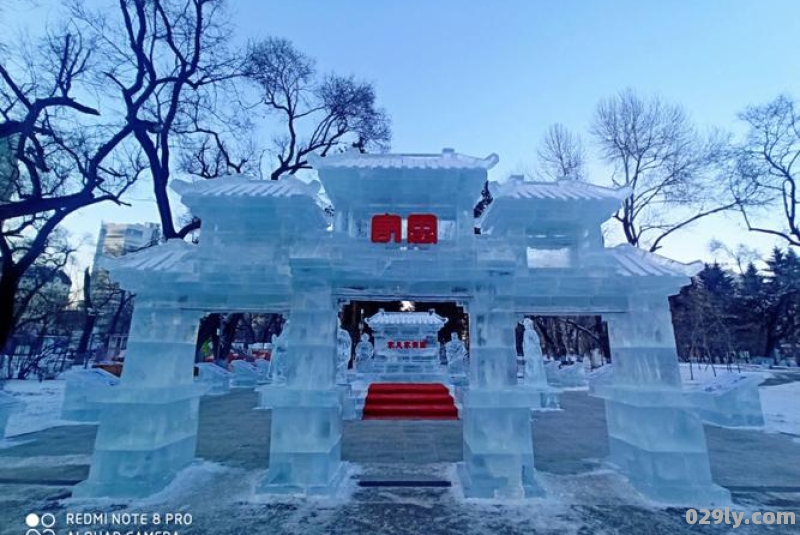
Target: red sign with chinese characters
x,y
422,228
407,344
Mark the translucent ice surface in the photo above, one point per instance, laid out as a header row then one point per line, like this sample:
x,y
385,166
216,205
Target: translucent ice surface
x,y
730,400
81,385
8,404
245,375
217,378
402,227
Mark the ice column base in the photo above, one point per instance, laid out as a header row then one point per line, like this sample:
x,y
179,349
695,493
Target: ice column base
x,y
306,441
498,446
659,444
146,436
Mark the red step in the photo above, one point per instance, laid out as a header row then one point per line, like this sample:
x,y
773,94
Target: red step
x,y
410,399
428,401
408,387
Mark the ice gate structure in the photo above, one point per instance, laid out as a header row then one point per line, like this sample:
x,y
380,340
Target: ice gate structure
x,y
403,229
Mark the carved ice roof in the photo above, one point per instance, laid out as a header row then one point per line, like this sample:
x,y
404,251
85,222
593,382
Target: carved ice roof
x,y
172,256
562,190
239,186
406,318
632,261
447,159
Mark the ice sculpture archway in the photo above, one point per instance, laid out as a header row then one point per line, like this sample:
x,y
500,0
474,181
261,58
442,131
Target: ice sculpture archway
x,y
540,252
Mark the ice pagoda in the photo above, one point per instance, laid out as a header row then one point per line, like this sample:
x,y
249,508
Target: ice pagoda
x,y
403,229
406,344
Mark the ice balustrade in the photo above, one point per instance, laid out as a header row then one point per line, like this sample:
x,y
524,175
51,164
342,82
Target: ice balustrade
x,y
216,377
245,374
8,405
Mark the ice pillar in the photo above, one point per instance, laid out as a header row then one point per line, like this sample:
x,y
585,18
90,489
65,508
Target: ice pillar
x,y
654,436
306,433
498,446
148,423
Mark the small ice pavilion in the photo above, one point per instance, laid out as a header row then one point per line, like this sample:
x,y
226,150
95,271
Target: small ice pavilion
x,y
403,229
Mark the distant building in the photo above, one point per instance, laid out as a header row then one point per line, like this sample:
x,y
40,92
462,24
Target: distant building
x,y
117,239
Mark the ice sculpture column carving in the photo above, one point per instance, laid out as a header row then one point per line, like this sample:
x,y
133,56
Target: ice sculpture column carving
x,y
654,436
498,446
306,432
148,423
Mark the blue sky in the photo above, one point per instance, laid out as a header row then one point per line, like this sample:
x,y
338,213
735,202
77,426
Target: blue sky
x,y
489,76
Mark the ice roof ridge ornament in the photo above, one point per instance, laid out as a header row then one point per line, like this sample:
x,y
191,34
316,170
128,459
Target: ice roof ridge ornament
x,y
447,159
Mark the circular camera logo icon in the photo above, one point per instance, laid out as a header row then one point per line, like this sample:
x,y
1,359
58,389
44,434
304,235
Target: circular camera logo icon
x,y
45,521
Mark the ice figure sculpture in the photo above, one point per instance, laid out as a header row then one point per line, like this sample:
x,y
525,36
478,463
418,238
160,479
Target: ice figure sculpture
x,y
404,228
534,376
8,404
278,360
216,377
364,353
344,346
456,355
534,360
264,368
80,385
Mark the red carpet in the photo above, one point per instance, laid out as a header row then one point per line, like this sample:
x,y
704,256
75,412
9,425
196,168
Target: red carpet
x,y
409,401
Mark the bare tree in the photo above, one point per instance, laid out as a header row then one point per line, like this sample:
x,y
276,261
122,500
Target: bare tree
x,y
166,62
672,170
319,113
561,154
62,156
37,296
766,169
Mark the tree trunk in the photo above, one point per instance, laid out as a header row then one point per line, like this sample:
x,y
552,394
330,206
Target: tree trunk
x,y
123,302
162,201
86,334
9,282
228,334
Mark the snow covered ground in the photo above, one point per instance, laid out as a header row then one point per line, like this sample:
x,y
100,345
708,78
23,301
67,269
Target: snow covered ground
x,y
42,406
221,501
702,373
581,498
